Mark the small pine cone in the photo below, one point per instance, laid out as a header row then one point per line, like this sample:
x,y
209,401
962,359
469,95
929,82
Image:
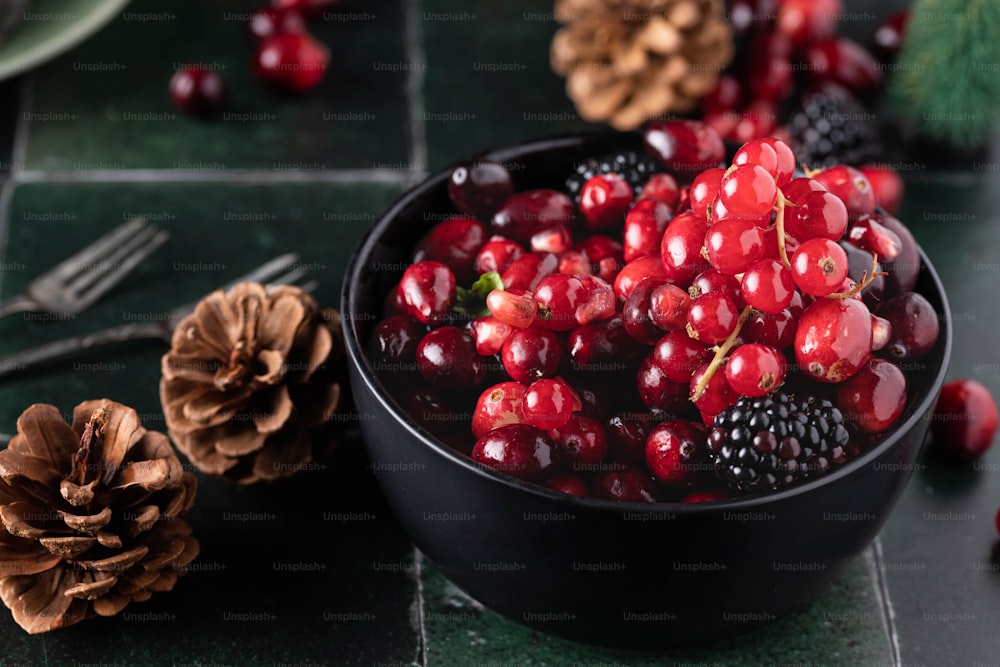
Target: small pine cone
x,y
628,61
89,515
252,381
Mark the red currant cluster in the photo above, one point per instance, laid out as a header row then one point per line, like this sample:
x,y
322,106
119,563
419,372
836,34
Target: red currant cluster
x,y
600,329
288,58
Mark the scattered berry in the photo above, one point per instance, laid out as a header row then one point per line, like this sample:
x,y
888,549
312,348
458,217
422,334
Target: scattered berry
x,y
198,91
965,419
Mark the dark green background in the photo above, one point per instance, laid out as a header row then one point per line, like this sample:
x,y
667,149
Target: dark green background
x,y
316,170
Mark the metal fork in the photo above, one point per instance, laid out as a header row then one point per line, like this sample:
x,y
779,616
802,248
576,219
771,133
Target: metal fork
x,y
77,282
278,271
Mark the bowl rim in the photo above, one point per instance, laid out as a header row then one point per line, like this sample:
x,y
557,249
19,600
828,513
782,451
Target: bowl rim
x,y
359,360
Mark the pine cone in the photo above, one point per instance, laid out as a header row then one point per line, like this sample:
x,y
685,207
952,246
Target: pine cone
x,y
627,61
89,515
250,381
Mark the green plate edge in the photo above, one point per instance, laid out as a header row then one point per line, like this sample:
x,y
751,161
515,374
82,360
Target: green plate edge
x,y
34,43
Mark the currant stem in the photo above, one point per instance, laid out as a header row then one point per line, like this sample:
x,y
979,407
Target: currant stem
x,y
720,354
866,280
779,224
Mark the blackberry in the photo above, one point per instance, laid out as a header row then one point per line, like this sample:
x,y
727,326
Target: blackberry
x,y
830,129
633,166
768,442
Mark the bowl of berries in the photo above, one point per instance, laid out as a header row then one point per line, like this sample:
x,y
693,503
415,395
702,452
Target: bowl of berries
x,y
626,390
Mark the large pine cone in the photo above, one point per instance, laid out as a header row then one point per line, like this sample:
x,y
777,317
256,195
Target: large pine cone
x,y
89,515
250,381
629,61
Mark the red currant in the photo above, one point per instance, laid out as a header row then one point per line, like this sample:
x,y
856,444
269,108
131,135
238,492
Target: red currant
x,y
704,190
716,396
734,244
715,282
852,187
767,286
833,339
748,191
816,215
819,267
679,356
711,318
755,370
674,449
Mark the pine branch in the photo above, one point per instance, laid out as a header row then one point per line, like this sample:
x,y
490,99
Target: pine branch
x,y
948,72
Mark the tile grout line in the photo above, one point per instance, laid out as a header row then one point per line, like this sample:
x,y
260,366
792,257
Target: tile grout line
x,y
19,151
234,176
888,612
413,38
418,573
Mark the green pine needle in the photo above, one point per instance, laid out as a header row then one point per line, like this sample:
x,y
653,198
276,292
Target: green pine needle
x,y
947,78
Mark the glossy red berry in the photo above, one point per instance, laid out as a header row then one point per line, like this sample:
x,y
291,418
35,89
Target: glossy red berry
x,y
198,91
816,214
454,242
626,434
427,289
270,21
734,244
635,272
685,147
726,96
393,344
644,225
902,272
914,324
869,234
679,356
524,214
755,370
525,272
600,301
717,394
489,334
554,239
715,282
874,397
293,62
657,391
889,36
711,318
604,200
558,296
833,339
680,248
637,312
887,184
478,187
447,359
808,21
852,187
498,406
519,450
662,188
531,354
767,286
603,347
497,254
965,419
580,443
668,306
627,484
777,331
844,62
786,160
819,267
704,190
748,191
566,483
674,451
547,404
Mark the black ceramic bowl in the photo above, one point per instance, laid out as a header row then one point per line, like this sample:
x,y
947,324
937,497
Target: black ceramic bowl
x,y
599,571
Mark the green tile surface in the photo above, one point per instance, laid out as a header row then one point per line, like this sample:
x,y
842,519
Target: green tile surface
x,y
105,104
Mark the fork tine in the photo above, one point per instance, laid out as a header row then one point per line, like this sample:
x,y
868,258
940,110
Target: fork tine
x,y
264,272
73,265
119,260
136,255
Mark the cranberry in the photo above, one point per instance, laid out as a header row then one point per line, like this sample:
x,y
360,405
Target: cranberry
x,y
674,451
876,238
874,397
626,433
914,325
711,318
525,272
602,346
770,70
705,496
808,21
309,8
516,310
644,227
294,62
393,304
905,269
595,397
965,419
887,184
755,370
627,484
597,248
198,91
394,342
270,21
680,249
566,483
604,199
554,239
685,147
852,187
525,213
637,312
715,282
833,339
447,358
531,354
846,63
679,356
777,331
454,242
600,301
860,262
433,408
428,291
478,187
889,36
573,263
498,406
658,392
547,404
497,254
635,272
668,306
662,188
558,296
580,443
519,450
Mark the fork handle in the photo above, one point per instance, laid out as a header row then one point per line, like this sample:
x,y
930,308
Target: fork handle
x,y
19,303
70,347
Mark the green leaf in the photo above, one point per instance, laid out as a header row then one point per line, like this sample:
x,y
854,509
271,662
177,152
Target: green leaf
x,y
472,301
